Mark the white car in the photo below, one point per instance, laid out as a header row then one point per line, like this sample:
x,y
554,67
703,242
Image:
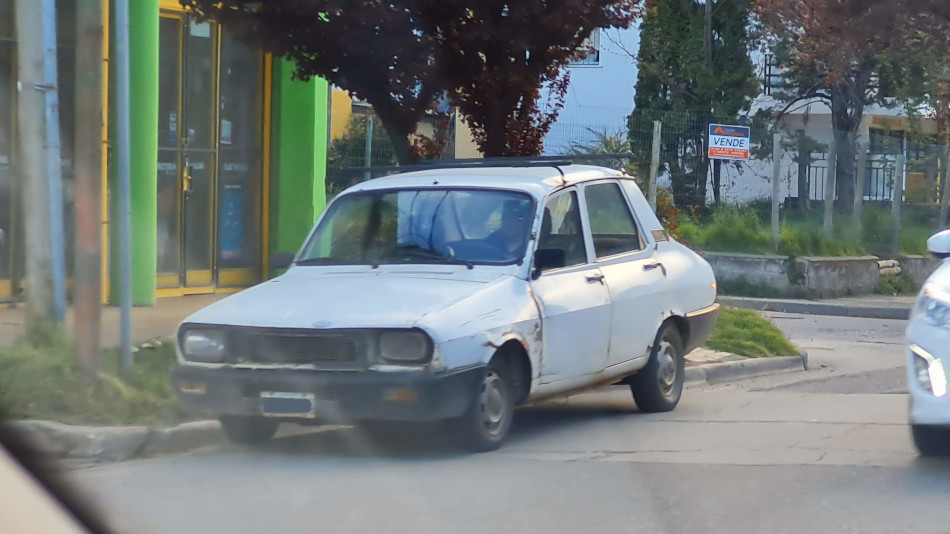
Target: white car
x,y
456,294
928,351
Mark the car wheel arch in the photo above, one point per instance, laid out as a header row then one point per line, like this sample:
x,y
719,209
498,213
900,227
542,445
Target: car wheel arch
x,y
513,356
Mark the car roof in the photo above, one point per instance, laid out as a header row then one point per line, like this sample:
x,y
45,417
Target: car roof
x,y
537,180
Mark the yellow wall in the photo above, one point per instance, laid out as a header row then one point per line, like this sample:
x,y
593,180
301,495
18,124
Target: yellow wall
x,y
341,107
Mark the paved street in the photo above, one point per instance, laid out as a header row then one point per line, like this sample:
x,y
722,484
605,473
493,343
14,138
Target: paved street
x,y
825,450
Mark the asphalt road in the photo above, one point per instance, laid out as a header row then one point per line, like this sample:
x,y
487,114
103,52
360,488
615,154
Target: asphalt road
x,y
825,450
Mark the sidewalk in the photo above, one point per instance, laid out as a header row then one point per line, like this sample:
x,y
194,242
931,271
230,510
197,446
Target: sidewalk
x,y
870,307
148,323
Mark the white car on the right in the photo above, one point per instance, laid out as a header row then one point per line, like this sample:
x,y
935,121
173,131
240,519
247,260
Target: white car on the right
x,y
928,354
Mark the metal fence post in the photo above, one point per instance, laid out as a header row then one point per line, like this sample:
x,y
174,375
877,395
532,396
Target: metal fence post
x,y
368,149
776,176
655,162
896,202
859,188
830,188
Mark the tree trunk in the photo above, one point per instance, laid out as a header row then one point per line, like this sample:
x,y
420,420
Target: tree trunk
x,y
846,113
398,128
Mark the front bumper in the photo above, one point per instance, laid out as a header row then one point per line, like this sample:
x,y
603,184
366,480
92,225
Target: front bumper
x,y
338,396
700,325
925,407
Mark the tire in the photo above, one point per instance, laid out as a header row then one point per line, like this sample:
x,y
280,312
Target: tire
x,y
487,421
931,440
659,386
246,430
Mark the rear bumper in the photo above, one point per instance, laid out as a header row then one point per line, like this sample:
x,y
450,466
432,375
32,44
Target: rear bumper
x,y
700,324
338,396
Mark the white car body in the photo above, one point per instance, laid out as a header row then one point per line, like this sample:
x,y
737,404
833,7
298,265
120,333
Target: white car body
x,y
579,326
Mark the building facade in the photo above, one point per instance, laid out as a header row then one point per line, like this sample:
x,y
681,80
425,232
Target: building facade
x,y
228,153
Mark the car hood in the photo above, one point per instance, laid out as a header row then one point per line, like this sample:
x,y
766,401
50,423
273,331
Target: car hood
x,y
940,278
308,297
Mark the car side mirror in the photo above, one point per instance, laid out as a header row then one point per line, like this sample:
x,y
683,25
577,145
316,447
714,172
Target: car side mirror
x,y
939,244
281,260
547,258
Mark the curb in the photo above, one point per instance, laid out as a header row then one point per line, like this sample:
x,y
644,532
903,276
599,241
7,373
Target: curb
x,y
815,308
115,443
717,373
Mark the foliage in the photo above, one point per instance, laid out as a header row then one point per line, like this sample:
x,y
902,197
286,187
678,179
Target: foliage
x,y
604,143
490,57
686,88
742,229
42,382
746,333
897,285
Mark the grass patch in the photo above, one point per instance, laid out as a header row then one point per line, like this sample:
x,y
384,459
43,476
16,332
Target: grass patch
x,y
746,333
897,285
41,382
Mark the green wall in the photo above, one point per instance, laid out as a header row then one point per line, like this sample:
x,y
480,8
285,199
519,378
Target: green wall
x,y
299,150
143,103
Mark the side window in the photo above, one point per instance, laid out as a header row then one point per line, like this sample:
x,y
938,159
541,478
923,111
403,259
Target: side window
x,y
611,224
561,229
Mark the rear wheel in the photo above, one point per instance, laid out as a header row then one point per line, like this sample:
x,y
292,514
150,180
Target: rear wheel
x,y
659,386
487,421
931,440
246,430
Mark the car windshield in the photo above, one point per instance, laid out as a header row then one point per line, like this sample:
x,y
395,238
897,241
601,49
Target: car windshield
x,y
464,226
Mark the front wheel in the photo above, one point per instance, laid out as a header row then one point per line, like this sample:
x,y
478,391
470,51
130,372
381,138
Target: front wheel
x,y
245,430
659,386
931,440
487,421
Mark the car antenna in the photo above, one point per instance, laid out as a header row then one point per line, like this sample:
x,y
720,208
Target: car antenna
x,y
563,177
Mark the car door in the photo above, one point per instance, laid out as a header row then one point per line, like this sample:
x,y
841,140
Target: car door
x,y
636,279
572,295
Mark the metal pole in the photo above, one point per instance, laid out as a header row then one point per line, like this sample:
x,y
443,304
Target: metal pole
x,y
368,148
776,176
125,187
859,188
87,271
830,188
54,165
945,189
898,198
655,162
38,125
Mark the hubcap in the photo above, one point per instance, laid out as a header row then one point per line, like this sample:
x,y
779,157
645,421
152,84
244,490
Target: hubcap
x,y
492,403
666,360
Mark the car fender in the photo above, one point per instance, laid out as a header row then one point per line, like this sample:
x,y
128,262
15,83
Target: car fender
x,y
470,331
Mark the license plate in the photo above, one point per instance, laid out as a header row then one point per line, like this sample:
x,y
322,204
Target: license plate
x,y
281,404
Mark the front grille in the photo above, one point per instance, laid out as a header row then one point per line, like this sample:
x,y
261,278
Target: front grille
x,y
325,350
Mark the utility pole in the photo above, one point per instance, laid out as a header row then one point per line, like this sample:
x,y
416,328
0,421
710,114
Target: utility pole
x,y
125,182
87,275
38,124
708,52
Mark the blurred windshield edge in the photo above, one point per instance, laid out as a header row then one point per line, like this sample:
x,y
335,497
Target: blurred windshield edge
x,y
35,497
431,225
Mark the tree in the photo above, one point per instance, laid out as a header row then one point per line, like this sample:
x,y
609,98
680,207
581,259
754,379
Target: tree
x,y
490,56
687,78
843,53
498,54
377,50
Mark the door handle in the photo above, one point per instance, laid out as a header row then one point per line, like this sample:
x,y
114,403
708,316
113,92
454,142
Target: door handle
x,y
599,277
655,265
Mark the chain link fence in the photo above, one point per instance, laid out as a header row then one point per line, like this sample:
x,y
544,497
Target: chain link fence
x,y
728,204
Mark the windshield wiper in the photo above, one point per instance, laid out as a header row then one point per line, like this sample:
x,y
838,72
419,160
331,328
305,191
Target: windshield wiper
x,y
417,254
322,261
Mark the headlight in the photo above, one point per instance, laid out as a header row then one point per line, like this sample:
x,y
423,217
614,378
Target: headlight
x,y
934,308
203,345
929,372
410,346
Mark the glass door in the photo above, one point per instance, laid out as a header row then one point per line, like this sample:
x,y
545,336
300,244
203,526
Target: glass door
x,y
209,161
